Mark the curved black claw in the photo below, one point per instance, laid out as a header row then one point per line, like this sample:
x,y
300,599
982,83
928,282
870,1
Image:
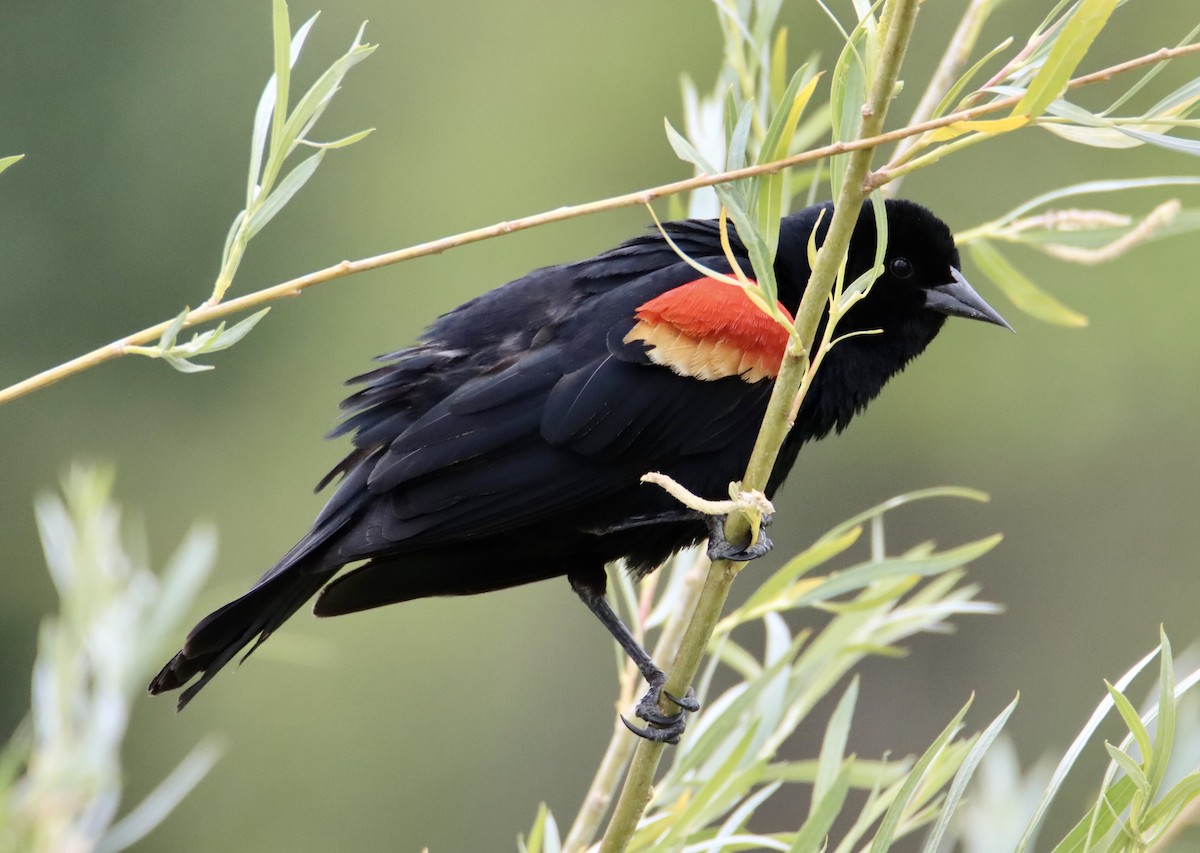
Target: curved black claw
x,y
663,728
653,733
689,702
720,548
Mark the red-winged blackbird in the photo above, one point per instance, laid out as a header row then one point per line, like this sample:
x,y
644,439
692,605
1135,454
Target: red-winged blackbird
x,y
507,446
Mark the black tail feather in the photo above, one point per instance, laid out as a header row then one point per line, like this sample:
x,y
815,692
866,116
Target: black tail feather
x,y
218,637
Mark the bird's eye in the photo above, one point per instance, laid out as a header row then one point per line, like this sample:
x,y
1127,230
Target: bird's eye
x,y
901,268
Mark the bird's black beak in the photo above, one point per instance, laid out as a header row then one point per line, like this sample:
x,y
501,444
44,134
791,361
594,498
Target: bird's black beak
x,y
959,299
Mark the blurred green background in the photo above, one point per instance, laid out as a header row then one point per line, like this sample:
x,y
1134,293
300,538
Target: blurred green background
x,y
444,723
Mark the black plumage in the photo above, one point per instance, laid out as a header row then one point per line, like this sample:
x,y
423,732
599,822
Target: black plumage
x,y
507,446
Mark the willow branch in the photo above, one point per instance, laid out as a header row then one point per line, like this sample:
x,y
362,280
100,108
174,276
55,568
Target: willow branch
x,y
296,286
897,20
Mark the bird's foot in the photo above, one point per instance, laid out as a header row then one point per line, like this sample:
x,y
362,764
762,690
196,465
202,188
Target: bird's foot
x,y
720,548
662,728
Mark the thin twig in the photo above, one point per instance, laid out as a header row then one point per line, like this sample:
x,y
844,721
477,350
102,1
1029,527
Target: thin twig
x,y
295,286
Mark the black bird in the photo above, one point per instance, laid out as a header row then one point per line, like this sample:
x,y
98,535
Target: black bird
x,y
507,446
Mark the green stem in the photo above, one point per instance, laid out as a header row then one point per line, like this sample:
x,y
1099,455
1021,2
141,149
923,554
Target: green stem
x,y
899,16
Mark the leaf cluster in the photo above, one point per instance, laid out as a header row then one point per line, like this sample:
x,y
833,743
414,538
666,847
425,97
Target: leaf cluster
x,y
60,774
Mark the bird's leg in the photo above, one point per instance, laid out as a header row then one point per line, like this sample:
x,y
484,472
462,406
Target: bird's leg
x,y
660,727
720,548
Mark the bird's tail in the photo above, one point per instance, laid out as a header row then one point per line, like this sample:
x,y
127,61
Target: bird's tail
x,y
296,578
220,635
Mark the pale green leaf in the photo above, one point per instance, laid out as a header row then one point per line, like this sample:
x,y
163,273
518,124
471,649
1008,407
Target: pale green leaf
x,y
1076,747
825,810
282,33
316,99
1134,722
952,94
340,143
891,820
1164,731
5,162
963,777
739,138
283,193
1130,768
860,576
1069,47
1020,289
833,746
1099,820
160,802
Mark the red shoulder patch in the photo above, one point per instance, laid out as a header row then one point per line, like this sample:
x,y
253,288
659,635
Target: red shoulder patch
x,y
709,330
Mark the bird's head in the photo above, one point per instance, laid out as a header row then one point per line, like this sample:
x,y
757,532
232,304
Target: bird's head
x,y
920,286
921,283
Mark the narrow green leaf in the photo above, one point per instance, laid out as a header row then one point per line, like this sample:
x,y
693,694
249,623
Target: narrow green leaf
x,y
953,93
862,575
711,787
265,109
685,151
234,228
185,366
1067,52
1160,140
160,802
1130,715
283,193
1099,819
778,68
1164,731
5,162
1186,790
777,585
1130,768
963,777
864,775
833,746
739,816
340,143
310,107
282,36
847,94
891,820
825,810
1090,187
167,341
739,138
228,337
1020,289
1073,751
543,836
703,746
776,144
